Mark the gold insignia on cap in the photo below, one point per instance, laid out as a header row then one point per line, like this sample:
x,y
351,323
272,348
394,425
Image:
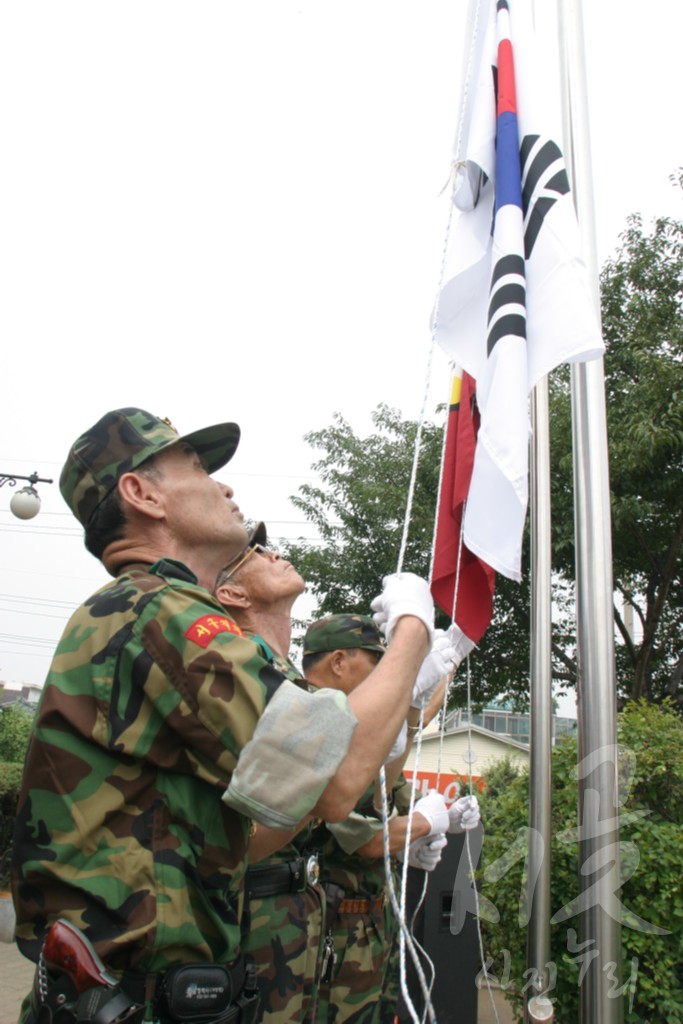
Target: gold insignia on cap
x,y
169,424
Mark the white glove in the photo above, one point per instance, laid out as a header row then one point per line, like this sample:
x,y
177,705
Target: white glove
x,y
439,662
404,593
399,744
425,853
433,808
464,814
462,645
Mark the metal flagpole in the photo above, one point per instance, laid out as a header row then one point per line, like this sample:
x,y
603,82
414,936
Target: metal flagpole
x,y
540,738
599,945
540,709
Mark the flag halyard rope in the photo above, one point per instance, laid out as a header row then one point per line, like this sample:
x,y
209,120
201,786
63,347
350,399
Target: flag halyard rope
x,y
406,938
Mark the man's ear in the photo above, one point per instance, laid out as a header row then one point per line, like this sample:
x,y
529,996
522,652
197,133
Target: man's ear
x,y
139,492
232,595
338,661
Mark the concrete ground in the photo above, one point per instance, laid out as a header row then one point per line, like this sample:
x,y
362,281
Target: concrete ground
x,y
16,974
16,978
486,1014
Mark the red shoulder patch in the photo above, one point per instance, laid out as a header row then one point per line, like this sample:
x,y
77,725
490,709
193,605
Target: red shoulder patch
x,y
205,629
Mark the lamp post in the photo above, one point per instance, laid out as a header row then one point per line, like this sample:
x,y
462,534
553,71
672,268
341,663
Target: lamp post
x,y
25,504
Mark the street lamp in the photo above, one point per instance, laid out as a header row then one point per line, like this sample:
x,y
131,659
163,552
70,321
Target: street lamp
x,y
25,504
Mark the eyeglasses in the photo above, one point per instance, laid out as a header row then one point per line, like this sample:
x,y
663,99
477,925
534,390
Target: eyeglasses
x,y
231,568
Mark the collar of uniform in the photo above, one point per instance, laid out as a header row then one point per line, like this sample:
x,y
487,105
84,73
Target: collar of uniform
x,y
176,570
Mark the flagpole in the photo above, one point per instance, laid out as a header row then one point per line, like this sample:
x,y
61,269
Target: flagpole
x,y
600,931
540,738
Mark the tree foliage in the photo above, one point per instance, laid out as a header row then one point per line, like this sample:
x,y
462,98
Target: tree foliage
x,y
360,505
642,313
15,728
651,814
360,508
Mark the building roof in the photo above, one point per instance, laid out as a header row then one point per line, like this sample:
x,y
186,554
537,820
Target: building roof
x,y
502,738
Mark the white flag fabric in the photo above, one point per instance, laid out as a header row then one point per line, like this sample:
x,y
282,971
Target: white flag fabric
x,y
517,300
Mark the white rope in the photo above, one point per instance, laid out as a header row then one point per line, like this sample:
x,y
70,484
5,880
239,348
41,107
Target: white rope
x,y
480,938
416,459
418,436
405,933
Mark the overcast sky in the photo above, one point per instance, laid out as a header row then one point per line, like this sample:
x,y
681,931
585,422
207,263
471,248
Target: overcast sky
x,y
234,211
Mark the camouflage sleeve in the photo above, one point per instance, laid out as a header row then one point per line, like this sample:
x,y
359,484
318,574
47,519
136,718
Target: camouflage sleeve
x,y
356,830
206,681
402,794
297,746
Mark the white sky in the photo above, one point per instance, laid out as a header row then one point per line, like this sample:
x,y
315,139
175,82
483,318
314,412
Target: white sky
x,y
223,210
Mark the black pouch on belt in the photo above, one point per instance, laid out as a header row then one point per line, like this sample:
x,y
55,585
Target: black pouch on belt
x,y
200,992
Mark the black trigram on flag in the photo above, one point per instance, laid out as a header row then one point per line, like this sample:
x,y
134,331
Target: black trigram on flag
x,y
507,303
544,180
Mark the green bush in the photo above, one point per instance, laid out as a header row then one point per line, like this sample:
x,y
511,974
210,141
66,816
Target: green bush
x,y
651,840
15,727
10,781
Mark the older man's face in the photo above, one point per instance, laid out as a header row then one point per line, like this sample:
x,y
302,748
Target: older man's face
x,y
264,576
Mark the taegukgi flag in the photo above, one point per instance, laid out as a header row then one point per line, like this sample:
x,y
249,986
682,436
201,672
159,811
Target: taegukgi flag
x,y
517,301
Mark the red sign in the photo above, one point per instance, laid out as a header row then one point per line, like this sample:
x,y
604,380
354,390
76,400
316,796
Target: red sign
x,y
450,786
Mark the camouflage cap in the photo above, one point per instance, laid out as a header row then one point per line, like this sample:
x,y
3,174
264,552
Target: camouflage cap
x,y
343,632
120,442
257,534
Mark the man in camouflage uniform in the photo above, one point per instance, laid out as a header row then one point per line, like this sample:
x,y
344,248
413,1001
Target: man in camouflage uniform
x,y
284,902
339,652
163,732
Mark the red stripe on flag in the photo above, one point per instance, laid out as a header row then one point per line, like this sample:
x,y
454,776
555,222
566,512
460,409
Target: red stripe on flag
x,y
507,97
474,606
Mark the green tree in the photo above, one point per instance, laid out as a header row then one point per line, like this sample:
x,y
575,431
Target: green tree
x,y
360,505
360,509
651,793
642,314
15,727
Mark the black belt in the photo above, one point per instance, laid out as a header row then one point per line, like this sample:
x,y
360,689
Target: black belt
x,y
275,879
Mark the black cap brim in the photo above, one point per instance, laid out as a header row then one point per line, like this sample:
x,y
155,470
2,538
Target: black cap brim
x,y
214,445
259,535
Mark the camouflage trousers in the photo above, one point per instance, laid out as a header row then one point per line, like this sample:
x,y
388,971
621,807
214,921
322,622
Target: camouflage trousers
x,y
353,994
285,939
391,986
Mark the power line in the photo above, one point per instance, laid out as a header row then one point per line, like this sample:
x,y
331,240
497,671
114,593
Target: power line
x,y
232,473
38,615
27,641
51,603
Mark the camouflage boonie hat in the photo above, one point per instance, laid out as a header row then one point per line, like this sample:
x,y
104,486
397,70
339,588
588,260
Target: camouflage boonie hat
x,y
343,632
120,442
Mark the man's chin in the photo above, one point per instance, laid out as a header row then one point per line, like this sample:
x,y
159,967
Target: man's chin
x,y
236,542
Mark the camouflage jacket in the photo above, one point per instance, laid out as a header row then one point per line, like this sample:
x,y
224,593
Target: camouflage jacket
x,y
152,694
356,875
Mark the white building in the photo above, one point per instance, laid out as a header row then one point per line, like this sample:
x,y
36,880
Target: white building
x,y
446,757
